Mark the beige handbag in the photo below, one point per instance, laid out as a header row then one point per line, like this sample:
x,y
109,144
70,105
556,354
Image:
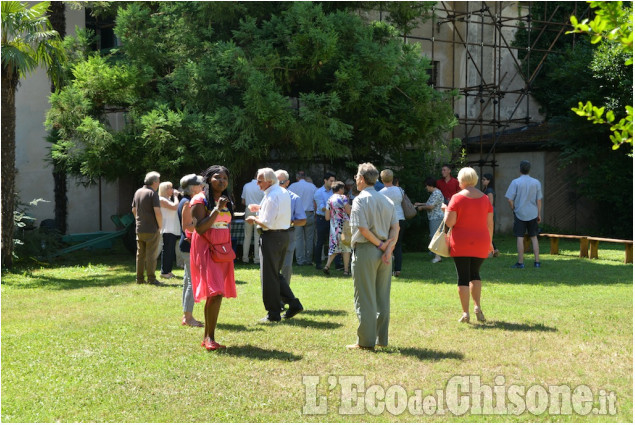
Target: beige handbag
x,y
440,243
347,234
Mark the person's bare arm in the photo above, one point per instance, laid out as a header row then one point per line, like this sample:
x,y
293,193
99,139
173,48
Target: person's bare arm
x,y
186,218
159,216
134,211
203,220
169,204
539,204
450,218
490,196
392,241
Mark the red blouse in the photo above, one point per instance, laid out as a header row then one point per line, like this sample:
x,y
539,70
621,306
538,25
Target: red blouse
x,y
470,235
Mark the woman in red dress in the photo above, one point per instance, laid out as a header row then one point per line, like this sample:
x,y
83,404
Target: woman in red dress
x,y
471,217
211,280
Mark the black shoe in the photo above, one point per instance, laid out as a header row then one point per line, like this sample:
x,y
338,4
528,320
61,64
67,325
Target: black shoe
x,y
292,312
267,320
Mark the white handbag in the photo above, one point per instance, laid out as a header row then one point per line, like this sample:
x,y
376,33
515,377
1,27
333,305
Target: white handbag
x,y
440,243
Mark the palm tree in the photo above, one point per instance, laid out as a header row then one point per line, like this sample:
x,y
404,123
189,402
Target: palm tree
x,y
27,43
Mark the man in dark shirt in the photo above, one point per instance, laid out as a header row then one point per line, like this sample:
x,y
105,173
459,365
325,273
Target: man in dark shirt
x,y
146,209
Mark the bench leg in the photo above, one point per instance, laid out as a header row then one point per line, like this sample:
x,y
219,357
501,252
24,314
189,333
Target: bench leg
x,y
629,253
527,243
554,246
584,248
594,249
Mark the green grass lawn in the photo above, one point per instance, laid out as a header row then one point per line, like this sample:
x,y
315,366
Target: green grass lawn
x,y
81,342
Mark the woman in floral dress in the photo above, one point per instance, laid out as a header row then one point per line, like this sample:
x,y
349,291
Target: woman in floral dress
x,y
338,211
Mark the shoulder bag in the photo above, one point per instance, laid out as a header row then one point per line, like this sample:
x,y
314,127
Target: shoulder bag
x,y
221,252
347,234
409,210
440,243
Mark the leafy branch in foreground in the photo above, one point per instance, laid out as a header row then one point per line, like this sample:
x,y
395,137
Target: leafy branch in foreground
x,y
613,23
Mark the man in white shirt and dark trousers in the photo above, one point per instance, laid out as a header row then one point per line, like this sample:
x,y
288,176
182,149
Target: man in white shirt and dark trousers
x,y
304,235
251,195
274,219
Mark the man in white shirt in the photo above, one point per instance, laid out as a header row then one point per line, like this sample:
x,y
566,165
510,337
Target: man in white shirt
x,y
274,220
251,195
304,235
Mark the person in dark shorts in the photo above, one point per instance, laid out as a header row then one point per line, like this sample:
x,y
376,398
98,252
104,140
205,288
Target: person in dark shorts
x,y
525,199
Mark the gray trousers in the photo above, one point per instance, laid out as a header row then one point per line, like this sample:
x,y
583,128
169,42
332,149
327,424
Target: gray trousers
x,y
188,293
304,240
287,265
371,279
250,231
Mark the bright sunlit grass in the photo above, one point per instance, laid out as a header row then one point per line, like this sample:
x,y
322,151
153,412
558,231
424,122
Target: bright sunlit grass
x,y
81,342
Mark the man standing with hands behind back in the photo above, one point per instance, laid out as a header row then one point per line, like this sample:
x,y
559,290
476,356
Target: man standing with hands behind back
x,y
525,199
274,220
375,229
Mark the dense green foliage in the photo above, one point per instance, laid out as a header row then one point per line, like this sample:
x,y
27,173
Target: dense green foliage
x,y
583,71
237,83
613,27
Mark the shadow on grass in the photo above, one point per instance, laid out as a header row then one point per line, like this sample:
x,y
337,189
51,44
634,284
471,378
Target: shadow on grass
x,y
425,354
324,313
251,352
520,327
237,328
308,323
90,281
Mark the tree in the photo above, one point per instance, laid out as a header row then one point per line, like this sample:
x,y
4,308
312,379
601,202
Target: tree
x,y
599,73
235,83
27,43
612,26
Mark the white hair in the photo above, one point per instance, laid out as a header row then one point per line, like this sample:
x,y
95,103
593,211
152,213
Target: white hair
x,y
283,173
269,175
151,177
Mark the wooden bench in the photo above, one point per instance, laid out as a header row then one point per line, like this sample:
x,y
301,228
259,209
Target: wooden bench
x,y
628,245
555,250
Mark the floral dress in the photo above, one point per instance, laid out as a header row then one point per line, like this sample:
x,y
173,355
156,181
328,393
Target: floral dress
x,y
335,205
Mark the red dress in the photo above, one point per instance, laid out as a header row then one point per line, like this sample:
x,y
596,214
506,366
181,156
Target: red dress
x,y
470,236
208,277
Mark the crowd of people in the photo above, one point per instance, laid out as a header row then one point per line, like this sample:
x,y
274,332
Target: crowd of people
x,y
283,220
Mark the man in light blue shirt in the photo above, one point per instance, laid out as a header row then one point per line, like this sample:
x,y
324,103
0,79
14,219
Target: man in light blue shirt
x,y
304,235
322,227
298,221
251,195
525,199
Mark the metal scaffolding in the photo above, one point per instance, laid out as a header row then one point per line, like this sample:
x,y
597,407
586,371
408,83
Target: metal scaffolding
x,y
483,36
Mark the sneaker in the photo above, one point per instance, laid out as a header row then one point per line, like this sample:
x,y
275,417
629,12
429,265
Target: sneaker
x,y
479,314
436,260
465,318
518,266
537,264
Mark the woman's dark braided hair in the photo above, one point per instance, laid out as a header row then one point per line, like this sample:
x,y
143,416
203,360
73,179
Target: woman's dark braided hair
x,y
207,175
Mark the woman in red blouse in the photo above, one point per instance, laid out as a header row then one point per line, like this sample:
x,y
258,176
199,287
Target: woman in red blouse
x,y
471,217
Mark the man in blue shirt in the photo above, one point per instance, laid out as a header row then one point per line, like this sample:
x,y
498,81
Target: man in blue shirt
x,y
298,220
525,199
322,227
304,234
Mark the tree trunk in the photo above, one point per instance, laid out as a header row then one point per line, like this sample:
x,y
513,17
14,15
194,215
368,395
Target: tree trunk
x,y
57,18
9,86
